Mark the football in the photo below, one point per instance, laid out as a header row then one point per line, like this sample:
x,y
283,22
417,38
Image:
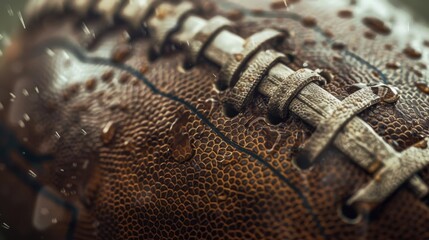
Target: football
x,y
214,119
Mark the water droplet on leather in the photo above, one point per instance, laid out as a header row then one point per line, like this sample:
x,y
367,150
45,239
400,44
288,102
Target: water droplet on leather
x,y
337,58
180,143
423,87
234,15
108,132
412,53
107,76
90,84
309,22
257,11
345,14
238,56
393,65
121,53
278,4
309,42
143,69
338,46
70,91
124,78
376,25
369,35
328,33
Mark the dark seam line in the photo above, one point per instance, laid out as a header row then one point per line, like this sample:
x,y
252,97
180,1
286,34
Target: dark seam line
x,y
80,55
298,18
13,143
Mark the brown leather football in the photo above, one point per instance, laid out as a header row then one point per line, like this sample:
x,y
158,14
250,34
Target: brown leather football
x,y
215,119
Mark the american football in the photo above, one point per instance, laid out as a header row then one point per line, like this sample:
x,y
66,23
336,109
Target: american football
x,y
214,119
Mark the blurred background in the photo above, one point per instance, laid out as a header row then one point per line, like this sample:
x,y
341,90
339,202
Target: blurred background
x,y
10,11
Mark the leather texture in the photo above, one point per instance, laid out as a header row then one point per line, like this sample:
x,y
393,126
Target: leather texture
x,y
100,140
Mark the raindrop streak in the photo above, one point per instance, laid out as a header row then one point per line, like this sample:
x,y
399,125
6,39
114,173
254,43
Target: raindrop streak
x,y
21,19
108,132
180,144
32,174
423,87
5,226
83,132
9,10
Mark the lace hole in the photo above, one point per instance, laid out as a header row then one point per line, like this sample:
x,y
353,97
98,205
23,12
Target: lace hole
x,y
188,65
350,214
229,111
302,162
220,86
153,55
274,120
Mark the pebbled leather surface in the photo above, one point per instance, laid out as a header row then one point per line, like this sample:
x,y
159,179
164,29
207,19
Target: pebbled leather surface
x,y
141,149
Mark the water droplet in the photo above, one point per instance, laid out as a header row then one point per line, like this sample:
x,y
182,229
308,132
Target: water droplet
x,y
345,14
90,84
309,22
412,53
388,47
121,53
107,76
278,4
328,33
83,132
338,46
71,91
108,132
309,42
238,57
21,124
180,143
369,35
376,25
144,68
234,15
124,78
423,87
393,65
